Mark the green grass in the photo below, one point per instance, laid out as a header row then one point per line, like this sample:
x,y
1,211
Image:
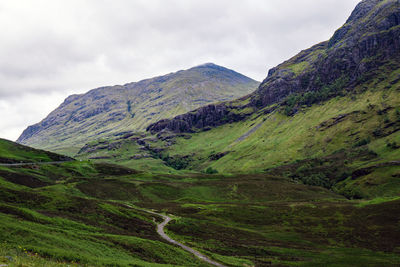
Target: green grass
x,y
293,235
11,152
93,248
16,257
361,126
253,219
264,207
57,223
314,132
128,154
276,142
378,200
95,234
299,67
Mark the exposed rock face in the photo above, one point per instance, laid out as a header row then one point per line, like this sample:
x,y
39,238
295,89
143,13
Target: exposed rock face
x,y
211,115
132,107
369,39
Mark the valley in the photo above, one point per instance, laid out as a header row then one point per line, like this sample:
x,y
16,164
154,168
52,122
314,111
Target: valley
x,y
236,220
203,168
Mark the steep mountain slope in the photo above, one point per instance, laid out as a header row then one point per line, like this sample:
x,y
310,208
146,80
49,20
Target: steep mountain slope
x,y
329,116
132,107
356,52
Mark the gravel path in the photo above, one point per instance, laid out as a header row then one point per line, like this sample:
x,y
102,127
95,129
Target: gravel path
x,y
160,231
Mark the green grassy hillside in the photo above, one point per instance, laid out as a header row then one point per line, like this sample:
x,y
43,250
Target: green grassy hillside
x,y
363,128
252,219
45,219
74,214
11,152
354,139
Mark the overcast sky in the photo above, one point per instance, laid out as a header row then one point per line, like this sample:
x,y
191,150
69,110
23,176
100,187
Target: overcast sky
x,y
50,49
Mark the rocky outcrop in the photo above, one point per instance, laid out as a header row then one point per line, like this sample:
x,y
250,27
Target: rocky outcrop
x,y
369,39
211,115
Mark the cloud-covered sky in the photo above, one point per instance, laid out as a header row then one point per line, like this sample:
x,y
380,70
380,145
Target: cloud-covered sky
x,y
50,49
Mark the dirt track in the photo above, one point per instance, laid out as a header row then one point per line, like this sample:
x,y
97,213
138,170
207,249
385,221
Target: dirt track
x,y
160,231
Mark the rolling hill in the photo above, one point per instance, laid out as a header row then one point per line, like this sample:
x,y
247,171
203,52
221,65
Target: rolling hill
x,y
75,214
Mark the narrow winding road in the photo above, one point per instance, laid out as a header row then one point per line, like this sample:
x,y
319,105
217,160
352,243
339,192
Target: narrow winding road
x,y
160,226
160,231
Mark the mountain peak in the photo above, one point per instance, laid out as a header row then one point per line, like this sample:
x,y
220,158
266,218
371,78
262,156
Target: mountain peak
x,y
106,111
369,17
209,64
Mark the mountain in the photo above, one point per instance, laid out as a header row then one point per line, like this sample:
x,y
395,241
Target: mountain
x,y
329,116
116,109
357,52
303,172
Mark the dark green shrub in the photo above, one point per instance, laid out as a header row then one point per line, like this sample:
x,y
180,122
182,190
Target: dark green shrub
x,y
177,163
343,176
386,119
352,193
312,97
398,114
316,179
362,142
303,169
377,132
210,170
392,145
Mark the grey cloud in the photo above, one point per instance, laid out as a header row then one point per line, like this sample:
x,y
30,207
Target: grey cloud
x,y
58,48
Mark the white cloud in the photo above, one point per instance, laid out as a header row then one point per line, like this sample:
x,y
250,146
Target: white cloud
x,y
52,48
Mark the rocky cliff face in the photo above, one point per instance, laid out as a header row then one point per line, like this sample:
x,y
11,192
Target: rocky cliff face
x,y
131,107
368,40
210,115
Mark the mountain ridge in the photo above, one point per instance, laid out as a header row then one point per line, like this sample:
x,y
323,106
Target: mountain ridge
x,y
131,107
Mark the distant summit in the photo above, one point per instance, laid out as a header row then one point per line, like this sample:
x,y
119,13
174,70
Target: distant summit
x,y
132,107
207,65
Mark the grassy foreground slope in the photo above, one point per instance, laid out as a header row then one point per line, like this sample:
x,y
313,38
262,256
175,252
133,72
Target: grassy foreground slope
x,y
46,220
11,152
74,213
